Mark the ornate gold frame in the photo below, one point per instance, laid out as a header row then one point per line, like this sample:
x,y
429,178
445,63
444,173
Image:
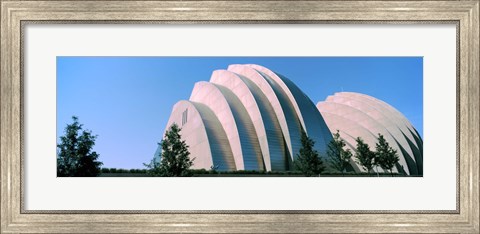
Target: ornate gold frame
x,y
464,13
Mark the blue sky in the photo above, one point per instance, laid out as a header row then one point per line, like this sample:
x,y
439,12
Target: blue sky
x,y
127,101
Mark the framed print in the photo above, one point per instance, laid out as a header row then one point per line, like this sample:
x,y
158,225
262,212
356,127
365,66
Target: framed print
x,y
286,116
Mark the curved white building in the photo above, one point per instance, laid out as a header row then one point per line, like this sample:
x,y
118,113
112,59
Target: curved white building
x,y
250,118
247,118
359,115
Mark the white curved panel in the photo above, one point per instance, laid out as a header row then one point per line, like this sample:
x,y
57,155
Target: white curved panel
x,y
285,89
255,77
222,155
231,81
308,115
209,95
193,132
252,155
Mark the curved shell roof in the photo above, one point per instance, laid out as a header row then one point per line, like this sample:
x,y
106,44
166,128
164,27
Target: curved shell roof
x,y
250,118
256,114
360,115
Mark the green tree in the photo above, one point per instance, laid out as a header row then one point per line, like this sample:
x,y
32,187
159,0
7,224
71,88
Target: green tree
x,y
338,157
75,156
175,160
308,160
386,156
364,155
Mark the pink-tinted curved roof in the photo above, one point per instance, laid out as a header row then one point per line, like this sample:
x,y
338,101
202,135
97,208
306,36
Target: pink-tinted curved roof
x,y
349,112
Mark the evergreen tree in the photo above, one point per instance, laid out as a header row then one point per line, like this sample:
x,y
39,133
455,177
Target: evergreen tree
x,y
175,160
75,156
364,155
308,160
386,156
338,157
